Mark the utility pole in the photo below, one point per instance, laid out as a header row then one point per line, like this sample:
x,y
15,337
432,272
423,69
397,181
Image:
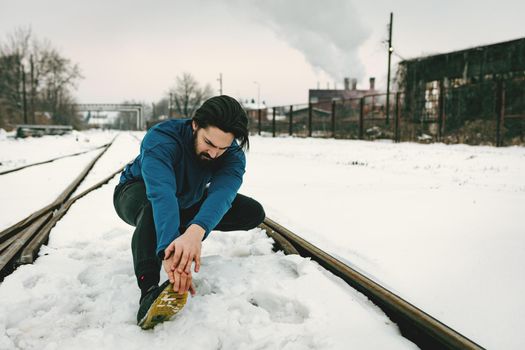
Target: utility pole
x,y
24,98
220,83
32,65
390,50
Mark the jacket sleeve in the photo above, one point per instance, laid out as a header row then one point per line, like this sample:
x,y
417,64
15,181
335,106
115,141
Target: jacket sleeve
x,y
161,189
222,191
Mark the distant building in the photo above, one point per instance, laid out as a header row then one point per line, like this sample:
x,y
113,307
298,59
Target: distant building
x,y
422,78
252,110
324,97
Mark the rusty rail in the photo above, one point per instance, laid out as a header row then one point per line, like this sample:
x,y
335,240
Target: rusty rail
x,y
415,325
20,243
51,160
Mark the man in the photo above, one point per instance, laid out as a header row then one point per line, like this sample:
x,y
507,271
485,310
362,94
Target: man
x,y
183,185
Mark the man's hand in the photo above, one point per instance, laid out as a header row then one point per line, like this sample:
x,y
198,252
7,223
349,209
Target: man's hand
x,y
182,282
179,256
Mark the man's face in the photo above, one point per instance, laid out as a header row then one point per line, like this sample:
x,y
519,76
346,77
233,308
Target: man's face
x,y
210,143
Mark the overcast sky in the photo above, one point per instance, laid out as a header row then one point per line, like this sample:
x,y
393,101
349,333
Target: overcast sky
x,y
135,49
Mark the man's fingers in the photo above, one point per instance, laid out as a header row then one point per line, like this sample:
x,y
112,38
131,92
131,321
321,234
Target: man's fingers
x,y
167,268
192,289
197,262
183,280
168,251
183,262
176,281
170,277
176,257
187,268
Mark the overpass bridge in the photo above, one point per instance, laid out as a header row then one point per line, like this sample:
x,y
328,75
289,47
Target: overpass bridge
x,y
115,107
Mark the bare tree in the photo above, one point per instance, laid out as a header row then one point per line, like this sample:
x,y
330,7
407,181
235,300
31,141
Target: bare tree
x,y
187,95
10,94
12,79
161,110
35,81
58,77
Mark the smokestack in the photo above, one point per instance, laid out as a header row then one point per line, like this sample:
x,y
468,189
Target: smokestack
x,y
372,83
354,84
347,83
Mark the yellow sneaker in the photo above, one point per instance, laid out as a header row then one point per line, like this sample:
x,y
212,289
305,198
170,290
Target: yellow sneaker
x,y
159,305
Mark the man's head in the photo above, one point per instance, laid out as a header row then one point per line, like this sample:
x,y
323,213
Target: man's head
x,y
216,123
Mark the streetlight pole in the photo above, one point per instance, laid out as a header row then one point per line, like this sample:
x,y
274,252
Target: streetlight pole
x,y
220,83
390,50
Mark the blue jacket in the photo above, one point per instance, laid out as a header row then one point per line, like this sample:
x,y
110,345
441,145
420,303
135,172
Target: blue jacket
x,y
175,180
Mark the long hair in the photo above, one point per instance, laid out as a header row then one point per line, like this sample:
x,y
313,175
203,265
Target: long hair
x,y
225,113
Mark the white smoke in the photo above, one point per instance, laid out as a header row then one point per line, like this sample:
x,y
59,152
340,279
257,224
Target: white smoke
x,y
328,33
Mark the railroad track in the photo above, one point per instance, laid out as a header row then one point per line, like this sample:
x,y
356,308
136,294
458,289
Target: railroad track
x,y
415,325
20,243
52,160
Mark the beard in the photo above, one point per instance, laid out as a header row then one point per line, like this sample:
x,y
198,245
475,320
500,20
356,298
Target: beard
x,y
203,158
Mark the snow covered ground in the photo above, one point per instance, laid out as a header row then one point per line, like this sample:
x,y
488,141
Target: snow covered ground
x,y
442,226
81,293
25,191
19,152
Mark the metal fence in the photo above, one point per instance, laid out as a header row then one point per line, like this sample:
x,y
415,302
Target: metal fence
x,y
490,113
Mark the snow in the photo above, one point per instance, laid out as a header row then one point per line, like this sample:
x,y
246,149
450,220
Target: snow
x,y
123,150
440,225
3,134
17,152
81,292
30,189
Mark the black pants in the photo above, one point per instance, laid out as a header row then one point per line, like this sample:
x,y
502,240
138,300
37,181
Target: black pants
x,y
134,208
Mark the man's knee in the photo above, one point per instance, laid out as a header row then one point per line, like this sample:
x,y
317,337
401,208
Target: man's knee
x,y
260,214
130,201
253,213
246,213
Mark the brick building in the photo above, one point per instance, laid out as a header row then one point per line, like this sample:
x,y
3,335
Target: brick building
x,y
324,97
